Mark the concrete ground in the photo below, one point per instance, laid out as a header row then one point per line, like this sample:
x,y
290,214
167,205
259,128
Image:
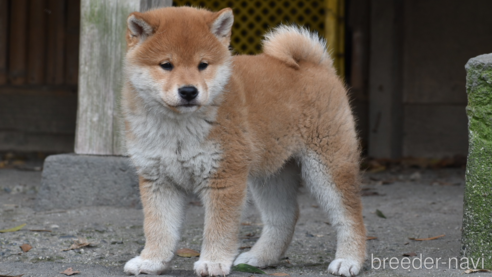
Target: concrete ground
x,y
416,203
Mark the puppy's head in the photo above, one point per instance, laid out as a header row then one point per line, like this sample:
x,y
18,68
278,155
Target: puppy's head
x,y
179,57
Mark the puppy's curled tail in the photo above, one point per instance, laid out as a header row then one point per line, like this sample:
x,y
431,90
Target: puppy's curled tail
x,y
292,44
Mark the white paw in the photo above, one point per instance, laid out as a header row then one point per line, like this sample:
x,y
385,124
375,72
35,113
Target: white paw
x,y
253,259
138,265
344,267
206,268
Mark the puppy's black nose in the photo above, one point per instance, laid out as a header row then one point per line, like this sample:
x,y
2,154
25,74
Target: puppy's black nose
x,y
188,93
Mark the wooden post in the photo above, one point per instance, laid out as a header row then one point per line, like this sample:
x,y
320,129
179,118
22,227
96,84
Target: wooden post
x,y
477,212
385,79
102,48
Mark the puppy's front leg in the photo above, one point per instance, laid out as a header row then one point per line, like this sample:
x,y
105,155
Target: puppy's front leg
x,y
163,215
223,204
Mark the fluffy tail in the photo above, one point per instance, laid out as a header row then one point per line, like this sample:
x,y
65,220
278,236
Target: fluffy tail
x,y
292,44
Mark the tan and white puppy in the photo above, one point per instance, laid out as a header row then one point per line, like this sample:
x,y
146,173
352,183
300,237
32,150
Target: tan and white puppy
x,y
201,120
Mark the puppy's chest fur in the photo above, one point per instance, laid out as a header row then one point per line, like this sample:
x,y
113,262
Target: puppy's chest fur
x,y
173,151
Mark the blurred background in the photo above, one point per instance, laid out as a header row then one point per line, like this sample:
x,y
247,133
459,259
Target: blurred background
x,y
402,60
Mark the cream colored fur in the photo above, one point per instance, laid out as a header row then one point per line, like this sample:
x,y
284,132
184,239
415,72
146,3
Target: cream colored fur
x,y
268,121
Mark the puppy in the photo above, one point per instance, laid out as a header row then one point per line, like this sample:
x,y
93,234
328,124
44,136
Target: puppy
x,y
201,120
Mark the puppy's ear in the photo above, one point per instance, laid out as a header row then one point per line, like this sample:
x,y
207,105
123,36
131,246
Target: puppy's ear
x,y
222,24
139,28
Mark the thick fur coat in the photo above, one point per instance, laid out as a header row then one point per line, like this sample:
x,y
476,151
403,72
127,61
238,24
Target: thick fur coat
x,y
203,121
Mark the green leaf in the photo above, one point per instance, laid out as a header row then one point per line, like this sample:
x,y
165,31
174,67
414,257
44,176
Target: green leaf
x,y
380,214
247,268
15,229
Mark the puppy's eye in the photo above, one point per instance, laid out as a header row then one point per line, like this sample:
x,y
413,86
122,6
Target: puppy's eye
x,y
202,66
167,66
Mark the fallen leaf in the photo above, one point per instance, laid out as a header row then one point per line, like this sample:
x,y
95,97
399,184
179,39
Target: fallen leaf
x,y
244,247
247,268
249,236
79,243
370,238
411,254
2,275
39,230
431,238
380,214
18,162
25,247
371,193
468,271
15,229
279,274
389,181
187,253
377,169
69,271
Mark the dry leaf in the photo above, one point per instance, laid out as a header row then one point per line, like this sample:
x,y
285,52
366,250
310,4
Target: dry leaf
x,y
389,181
411,254
196,203
431,238
244,247
79,243
377,169
371,193
187,253
2,275
468,271
380,214
279,274
25,247
15,229
69,271
249,236
39,230
370,238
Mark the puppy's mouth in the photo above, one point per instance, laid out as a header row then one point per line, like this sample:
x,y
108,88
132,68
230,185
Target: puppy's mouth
x,y
188,105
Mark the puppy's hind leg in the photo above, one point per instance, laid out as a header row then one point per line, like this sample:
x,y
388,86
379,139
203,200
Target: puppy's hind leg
x,y
335,185
276,199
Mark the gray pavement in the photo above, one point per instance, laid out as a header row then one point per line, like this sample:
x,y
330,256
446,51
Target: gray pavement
x,y
416,203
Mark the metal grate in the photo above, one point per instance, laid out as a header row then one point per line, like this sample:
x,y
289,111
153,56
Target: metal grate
x,y
252,19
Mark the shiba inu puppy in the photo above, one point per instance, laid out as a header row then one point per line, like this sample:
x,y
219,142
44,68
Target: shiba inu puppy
x,y
201,120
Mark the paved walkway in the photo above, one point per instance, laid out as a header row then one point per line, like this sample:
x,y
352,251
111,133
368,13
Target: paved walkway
x,y
416,204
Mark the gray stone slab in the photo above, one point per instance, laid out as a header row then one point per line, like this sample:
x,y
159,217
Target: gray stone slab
x,y
70,181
